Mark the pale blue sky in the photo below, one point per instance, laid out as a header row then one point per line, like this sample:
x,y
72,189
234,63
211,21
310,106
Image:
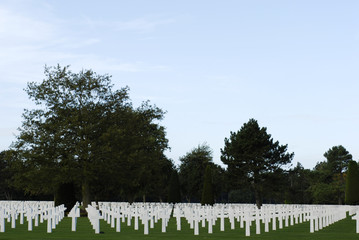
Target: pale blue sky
x,y
212,65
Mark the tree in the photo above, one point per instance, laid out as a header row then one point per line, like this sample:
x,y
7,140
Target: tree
x,y
174,193
251,156
321,187
338,158
86,133
220,186
133,150
352,184
160,180
207,192
5,177
328,182
298,183
274,186
191,171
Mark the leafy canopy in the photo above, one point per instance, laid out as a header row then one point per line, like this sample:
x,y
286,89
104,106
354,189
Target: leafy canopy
x,y
84,132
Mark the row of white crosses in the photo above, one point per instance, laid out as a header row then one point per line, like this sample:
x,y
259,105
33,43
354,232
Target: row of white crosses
x,y
32,210
279,216
53,215
322,216
94,216
319,216
147,213
208,215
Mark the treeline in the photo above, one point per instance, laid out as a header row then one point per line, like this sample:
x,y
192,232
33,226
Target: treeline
x,y
327,183
85,141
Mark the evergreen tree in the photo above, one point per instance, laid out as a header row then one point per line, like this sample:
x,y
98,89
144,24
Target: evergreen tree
x,y
338,158
252,157
352,184
207,193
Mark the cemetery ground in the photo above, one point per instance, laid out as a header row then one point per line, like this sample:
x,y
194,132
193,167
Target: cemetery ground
x,y
344,229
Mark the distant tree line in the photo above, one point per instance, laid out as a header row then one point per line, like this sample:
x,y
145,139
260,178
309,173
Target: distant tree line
x,y
85,142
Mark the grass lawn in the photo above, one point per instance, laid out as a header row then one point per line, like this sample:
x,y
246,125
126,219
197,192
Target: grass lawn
x,y
344,229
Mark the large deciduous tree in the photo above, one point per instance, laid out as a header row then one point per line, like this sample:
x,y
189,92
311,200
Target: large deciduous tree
x,y
252,156
87,133
191,171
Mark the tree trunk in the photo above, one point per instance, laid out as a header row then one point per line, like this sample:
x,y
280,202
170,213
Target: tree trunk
x,y
85,190
258,197
8,196
340,199
144,198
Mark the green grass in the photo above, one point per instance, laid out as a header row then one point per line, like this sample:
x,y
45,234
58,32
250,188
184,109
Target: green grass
x,y
344,229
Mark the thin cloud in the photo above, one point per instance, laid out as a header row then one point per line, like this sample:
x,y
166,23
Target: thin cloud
x,y
81,43
141,25
111,65
15,28
31,44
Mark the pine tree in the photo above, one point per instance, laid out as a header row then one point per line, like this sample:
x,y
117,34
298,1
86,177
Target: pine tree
x,y
207,193
352,184
251,155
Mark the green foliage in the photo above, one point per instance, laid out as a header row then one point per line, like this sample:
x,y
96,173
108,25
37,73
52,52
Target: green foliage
x,y
133,151
207,192
328,177
352,184
274,186
323,193
251,154
85,132
243,195
8,167
191,174
338,158
174,193
219,183
192,169
298,183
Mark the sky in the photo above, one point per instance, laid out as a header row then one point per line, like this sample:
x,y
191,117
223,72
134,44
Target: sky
x,y
211,65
